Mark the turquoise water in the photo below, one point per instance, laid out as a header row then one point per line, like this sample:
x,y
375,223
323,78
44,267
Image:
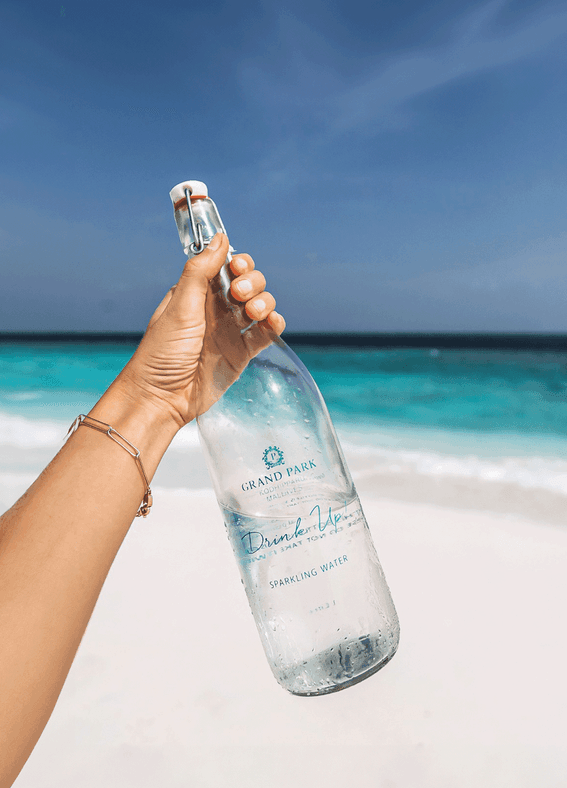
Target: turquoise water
x,y
490,414
479,391
472,390
51,380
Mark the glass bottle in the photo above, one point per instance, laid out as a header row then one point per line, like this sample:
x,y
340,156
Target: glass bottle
x,y
306,557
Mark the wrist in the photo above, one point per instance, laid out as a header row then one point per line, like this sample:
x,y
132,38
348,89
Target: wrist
x,y
143,422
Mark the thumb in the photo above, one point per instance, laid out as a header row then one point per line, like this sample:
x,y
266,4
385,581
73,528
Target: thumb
x,y
191,291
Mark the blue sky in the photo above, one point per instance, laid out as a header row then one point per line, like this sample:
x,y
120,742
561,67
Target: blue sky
x,y
397,166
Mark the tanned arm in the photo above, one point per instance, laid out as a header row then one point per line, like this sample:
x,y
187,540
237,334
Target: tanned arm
x,y
58,542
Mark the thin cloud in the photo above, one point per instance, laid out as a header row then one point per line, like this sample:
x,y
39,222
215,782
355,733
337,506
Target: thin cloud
x,y
538,266
309,86
470,51
308,105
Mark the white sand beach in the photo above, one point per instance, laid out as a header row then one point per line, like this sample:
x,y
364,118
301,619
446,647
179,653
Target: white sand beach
x,y
171,687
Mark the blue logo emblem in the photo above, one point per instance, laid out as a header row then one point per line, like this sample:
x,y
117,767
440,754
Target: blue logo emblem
x,y
273,456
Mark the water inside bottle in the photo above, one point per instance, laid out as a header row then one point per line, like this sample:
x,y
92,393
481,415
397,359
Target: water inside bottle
x,y
317,593
340,666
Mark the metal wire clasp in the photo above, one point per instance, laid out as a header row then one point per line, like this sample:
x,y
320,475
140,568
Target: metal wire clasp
x,y
196,230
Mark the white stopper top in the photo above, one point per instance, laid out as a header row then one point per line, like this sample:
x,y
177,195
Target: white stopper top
x,y
197,188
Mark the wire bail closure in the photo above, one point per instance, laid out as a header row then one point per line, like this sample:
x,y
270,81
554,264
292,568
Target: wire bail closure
x,y
196,229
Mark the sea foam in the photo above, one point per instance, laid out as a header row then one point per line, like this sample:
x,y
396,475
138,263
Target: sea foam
x,y
24,433
547,473
365,455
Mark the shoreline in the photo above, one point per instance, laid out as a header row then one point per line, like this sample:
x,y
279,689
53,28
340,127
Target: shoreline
x,y
526,487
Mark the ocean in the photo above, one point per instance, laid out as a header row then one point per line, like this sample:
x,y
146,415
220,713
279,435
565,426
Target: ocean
x,y
473,427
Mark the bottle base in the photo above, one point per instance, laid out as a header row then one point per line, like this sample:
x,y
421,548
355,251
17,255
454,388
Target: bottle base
x,y
339,667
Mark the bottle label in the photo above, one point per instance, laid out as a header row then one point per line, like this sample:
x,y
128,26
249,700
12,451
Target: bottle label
x,y
283,481
256,539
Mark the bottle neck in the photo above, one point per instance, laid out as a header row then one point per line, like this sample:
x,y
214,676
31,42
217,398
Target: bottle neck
x,y
206,215
205,218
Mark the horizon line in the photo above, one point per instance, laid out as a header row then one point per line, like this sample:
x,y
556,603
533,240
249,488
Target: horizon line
x,y
490,340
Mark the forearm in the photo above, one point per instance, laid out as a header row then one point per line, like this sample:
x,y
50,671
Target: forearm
x,y
57,545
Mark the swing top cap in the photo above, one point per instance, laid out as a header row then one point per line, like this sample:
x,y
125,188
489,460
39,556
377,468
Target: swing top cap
x,y
197,189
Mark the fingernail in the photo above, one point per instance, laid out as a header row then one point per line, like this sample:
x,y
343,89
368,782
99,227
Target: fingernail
x,y
216,242
259,305
244,287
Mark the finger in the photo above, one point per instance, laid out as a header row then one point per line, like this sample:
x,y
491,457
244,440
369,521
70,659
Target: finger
x,y
241,264
260,307
209,262
275,321
191,291
246,287
162,306
260,335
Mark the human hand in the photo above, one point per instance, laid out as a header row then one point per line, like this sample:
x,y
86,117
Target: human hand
x,y
193,348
